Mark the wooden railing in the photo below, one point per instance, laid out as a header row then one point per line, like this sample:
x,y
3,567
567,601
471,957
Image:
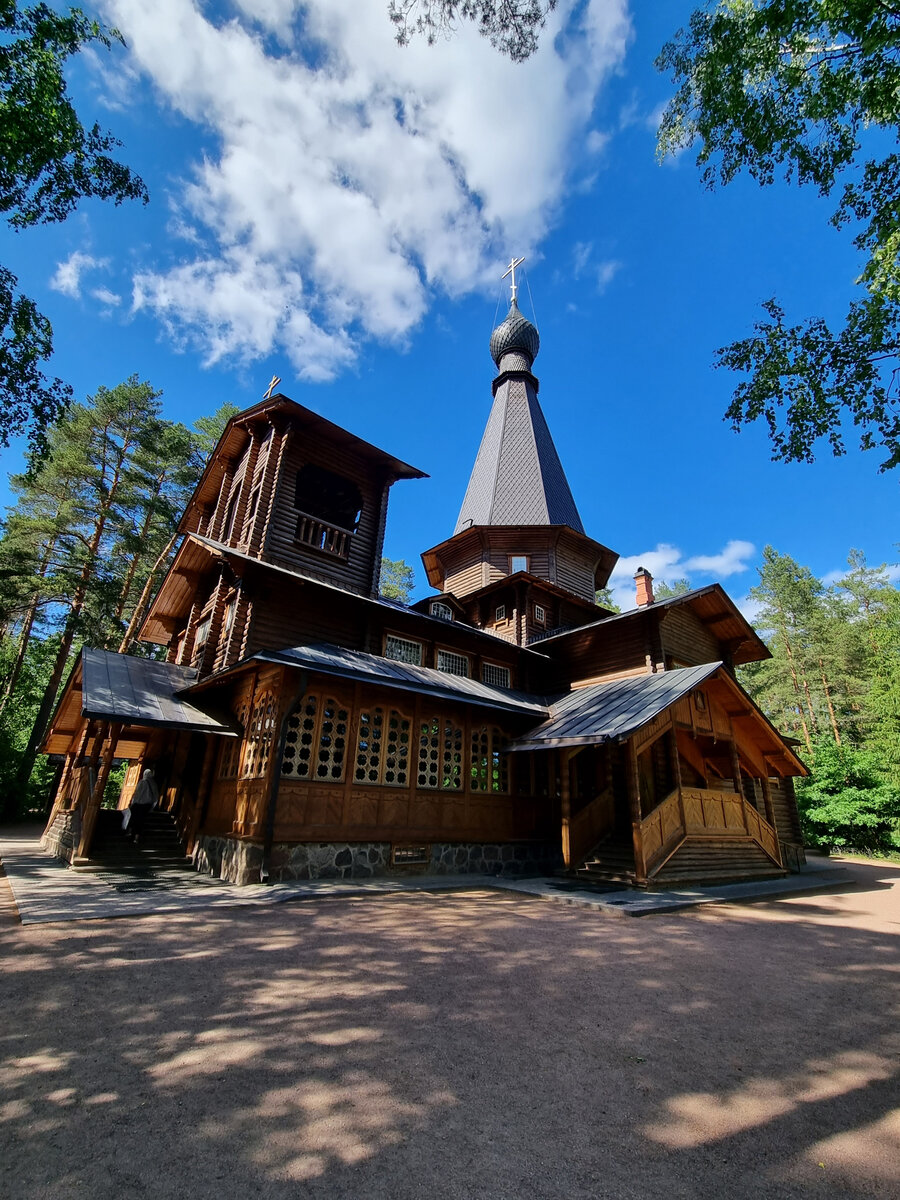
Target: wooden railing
x,y
662,830
698,812
322,536
587,826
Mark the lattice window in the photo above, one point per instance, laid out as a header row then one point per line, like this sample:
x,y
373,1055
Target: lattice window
x,y
444,611
500,614
316,742
402,650
440,754
540,614
452,663
259,737
494,675
230,756
489,768
382,748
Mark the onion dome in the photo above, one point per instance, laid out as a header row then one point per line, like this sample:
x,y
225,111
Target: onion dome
x,y
515,336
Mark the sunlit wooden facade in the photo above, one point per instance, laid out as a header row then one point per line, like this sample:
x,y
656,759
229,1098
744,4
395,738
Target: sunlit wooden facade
x,y
300,725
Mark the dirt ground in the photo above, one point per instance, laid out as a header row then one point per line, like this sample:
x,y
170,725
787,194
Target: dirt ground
x,y
468,1046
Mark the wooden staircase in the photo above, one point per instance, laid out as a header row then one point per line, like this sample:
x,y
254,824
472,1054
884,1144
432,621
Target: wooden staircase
x,y
716,860
160,849
611,861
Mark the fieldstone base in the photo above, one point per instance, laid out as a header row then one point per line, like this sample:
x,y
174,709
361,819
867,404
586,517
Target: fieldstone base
x,y
62,837
240,862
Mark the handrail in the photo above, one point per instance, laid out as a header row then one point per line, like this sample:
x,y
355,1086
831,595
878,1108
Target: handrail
x,y
713,812
662,829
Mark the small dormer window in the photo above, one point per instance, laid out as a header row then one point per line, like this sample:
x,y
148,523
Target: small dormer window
x,y
452,663
500,614
518,562
439,609
540,614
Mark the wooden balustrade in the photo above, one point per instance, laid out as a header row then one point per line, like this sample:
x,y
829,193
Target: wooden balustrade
x,y
322,536
589,824
662,830
706,813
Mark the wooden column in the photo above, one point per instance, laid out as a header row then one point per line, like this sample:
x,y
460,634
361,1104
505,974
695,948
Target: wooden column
x,y
89,817
736,769
676,773
204,788
634,805
565,806
767,800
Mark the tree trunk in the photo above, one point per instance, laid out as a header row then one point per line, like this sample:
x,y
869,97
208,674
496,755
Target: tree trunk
x,y
25,635
141,607
48,700
834,727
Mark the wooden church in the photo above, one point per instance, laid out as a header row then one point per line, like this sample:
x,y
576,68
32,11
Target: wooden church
x,y
300,726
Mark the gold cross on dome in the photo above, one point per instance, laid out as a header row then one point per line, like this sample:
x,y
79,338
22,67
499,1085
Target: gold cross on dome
x,y
511,270
273,384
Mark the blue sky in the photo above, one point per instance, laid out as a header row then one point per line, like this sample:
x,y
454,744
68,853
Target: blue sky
x,y
336,210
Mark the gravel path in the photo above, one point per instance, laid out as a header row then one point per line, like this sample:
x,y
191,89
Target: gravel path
x,y
483,1045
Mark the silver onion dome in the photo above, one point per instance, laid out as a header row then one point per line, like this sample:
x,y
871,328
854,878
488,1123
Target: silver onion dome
x,y
515,335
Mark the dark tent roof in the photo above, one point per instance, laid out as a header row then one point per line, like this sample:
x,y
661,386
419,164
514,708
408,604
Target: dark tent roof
x,y
518,478
607,711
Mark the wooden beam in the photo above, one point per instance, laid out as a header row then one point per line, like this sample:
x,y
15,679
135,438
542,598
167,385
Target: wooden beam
x,y
634,805
565,805
89,818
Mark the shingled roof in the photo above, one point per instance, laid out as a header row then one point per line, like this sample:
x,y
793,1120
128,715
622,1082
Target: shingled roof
x,y
518,478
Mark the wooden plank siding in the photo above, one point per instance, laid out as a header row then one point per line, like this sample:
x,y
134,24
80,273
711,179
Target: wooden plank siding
x,y
686,641
352,808
358,572
585,657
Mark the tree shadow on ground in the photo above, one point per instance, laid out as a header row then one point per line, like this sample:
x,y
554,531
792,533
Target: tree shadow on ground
x,y
437,1045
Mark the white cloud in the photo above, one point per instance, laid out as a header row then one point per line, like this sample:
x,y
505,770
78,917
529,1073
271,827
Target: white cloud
x,y
666,564
730,561
67,277
349,176
606,272
105,296
581,255
596,141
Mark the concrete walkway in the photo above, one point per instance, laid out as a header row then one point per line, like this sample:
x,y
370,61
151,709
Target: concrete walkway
x,y
45,890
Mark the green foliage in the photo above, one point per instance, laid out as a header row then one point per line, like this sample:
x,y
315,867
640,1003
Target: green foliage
x,y
665,591
847,802
790,87
92,531
834,682
397,580
604,597
16,721
48,163
511,26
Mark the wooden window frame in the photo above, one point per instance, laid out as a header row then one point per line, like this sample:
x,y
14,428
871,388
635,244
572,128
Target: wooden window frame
x,y
513,558
500,613
540,615
442,611
407,642
489,666
383,748
446,651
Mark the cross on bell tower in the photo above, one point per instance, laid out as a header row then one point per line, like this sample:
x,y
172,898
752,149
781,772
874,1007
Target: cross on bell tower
x,y
511,271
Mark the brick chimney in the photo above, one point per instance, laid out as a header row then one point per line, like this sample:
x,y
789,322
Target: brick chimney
x,y
644,583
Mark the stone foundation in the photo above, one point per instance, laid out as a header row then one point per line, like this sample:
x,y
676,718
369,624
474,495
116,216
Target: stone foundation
x,y
239,862
62,837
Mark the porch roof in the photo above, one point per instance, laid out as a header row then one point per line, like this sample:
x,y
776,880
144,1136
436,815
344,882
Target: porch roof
x,y
606,712
386,672
141,691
